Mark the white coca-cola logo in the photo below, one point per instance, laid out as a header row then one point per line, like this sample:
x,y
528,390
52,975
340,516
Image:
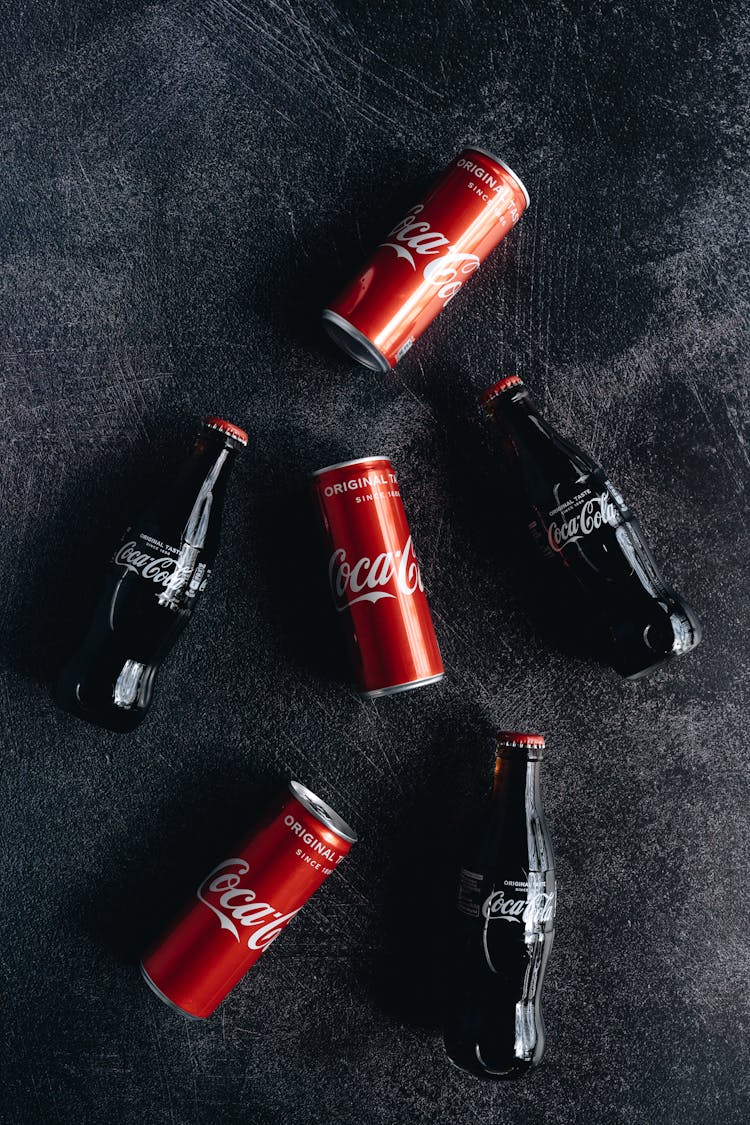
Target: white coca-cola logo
x,y
366,579
237,907
535,908
412,238
158,570
593,513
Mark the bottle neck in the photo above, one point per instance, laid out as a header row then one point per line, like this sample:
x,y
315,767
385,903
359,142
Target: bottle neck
x,y
519,825
514,413
211,460
516,781
186,513
210,446
527,437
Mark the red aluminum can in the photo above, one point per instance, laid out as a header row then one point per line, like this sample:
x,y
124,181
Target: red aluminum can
x,y
425,259
375,577
246,901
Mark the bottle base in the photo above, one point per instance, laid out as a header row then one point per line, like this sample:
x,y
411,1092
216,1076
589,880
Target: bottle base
x,y
633,677
639,651
118,724
71,686
511,1075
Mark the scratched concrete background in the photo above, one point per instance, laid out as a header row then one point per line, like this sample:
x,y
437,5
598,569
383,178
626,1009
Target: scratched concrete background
x,y
182,186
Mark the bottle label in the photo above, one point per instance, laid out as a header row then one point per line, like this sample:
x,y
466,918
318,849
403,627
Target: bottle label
x,y
529,902
175,569
579,515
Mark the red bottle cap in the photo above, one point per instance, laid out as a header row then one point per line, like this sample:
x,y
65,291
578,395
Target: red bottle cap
x,y
498,388
520,738
226,428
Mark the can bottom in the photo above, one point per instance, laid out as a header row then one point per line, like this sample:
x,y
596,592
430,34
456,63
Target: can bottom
x,y
354,342
170,1003
408,686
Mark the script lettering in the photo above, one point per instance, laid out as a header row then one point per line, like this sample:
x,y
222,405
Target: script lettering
x,y
593,513
535,909
412,239
232,903
158,570
367,579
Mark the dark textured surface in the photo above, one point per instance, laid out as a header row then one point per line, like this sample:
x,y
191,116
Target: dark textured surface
x,y
181,187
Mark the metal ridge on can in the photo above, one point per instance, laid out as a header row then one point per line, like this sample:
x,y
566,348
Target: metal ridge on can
x,y
378,693
322,811
354,342
347,465
164,998
507,167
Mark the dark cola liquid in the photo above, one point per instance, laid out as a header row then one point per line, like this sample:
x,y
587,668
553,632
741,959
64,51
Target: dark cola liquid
x,y
603,579
503,932
154,581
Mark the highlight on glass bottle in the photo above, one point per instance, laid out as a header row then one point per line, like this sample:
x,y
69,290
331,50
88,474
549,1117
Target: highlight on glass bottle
x,y
154,581
503,923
